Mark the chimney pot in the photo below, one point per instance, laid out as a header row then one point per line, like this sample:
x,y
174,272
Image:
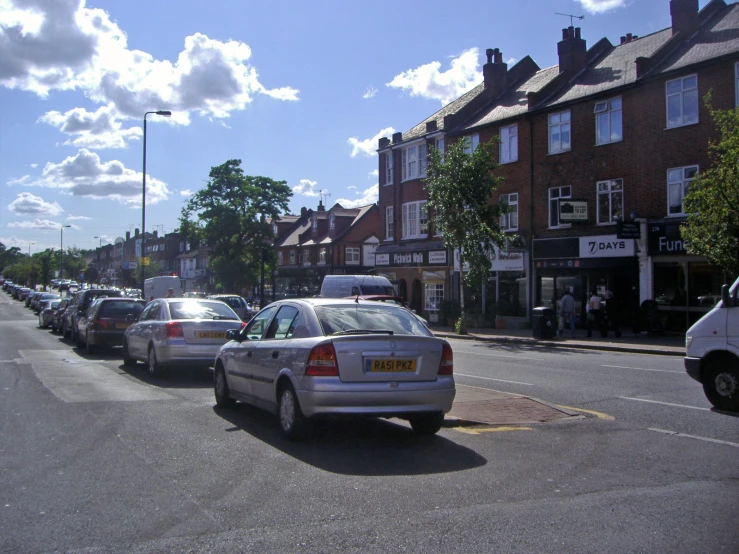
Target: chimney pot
x,y
564,34
489,53
629,37
303,211
397,137
128,235
623,40
135,232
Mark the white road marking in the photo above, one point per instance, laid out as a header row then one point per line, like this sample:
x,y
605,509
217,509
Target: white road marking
x,y
665,403
495,355
491,379
676,434
644,369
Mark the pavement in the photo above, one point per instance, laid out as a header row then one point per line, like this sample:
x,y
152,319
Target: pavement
x,y
474,407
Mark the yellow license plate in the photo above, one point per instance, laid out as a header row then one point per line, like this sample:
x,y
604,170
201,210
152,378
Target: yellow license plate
x,y
121,325
211,334
391,366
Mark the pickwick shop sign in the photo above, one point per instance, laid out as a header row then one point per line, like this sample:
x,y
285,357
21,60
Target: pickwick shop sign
x,y
433,257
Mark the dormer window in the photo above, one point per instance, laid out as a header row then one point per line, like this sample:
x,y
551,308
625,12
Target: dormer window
x,y
332,221
314,222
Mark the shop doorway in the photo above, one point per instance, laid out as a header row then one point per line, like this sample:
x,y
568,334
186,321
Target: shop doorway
x,y
416,296
403,289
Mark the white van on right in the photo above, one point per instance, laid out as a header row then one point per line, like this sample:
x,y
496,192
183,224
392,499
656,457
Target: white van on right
x,y
712,351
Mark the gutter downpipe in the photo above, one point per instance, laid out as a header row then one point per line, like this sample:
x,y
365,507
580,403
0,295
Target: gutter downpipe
x,y
532,281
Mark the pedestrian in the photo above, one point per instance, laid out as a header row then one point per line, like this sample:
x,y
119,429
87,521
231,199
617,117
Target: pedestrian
x,y
594,313
567,312
610,315
170,293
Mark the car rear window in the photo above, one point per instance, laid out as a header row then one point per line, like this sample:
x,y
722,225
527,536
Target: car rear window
x,y
197,309
376,289
339,318
122,309
233,301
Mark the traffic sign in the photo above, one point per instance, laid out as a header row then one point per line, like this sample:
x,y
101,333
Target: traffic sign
x,y
129,265
144,260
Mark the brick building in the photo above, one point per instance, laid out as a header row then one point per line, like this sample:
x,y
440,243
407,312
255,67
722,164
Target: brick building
x,y
595,150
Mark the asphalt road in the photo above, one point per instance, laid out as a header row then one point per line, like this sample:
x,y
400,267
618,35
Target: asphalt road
x,y
95,457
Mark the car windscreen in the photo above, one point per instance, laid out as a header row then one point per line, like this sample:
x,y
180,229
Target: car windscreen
x,y
341,318
377,289
198,309
121,309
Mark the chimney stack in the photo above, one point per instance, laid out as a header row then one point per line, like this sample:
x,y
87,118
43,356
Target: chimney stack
x,y
572,51
128,236
684,16
303,211
384,142
397,137
494,71
321,207
135,232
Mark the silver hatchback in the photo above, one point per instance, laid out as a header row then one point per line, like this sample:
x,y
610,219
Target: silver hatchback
x,y
173,332
318,356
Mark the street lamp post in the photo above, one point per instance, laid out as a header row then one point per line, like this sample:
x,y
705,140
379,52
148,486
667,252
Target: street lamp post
x,y
29,248
61,251
165,113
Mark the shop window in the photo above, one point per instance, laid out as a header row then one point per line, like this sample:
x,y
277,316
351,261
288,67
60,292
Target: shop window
x,y
351,256
610,201
322,256
555,194
434,294
678,183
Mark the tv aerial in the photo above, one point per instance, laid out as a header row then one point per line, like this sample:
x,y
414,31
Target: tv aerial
x,y
572,17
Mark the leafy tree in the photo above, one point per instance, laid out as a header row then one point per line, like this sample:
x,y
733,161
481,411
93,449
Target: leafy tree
x,y
9,256
231,214
45,262
92,275
712,228
461,189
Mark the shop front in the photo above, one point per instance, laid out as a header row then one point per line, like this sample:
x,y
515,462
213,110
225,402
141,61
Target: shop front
x,y
585,264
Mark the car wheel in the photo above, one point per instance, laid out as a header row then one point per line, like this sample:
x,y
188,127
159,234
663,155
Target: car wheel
x,y
127,359
155,370
292,423
222,392
427,424
721,384
89,347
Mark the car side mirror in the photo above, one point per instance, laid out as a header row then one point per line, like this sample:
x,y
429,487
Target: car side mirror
x,y
728,301
233,334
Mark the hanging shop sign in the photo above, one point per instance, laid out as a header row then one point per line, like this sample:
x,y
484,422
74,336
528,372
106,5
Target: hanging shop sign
x,y
628,230
573,211
502,260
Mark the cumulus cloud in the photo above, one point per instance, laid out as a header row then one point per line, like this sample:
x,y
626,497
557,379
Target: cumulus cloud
x,y
374,173
64,45
186,193
367,196
36,224
370,93
600,6
93,130
78,218
306,187
28,204
34,166
427,81
86,175
368,146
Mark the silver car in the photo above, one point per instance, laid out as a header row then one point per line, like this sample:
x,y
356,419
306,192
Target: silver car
x,y
319,356
178,331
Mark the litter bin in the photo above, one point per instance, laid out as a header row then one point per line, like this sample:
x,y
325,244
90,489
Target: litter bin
x,y
543,323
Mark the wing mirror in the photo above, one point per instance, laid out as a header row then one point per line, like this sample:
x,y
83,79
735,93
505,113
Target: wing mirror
x,y
728,301
233,334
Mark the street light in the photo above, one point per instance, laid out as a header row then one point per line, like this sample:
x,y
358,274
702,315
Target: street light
x,y
165,113
61,251
29,248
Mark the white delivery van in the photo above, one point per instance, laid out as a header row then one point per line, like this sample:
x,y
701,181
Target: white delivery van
x,y
712,351
341,286
157,287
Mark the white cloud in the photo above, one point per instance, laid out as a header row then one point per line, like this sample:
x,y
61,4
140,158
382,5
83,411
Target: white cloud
x,y
352,187
368,196
368,147
37,224
28,204
374,173
371,91
427,81
78,218
85,175
186,193
96,130
34,166
600,6
306,187
13,240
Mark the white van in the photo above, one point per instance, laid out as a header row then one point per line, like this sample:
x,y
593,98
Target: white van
x,y
341,286
712,351
157,287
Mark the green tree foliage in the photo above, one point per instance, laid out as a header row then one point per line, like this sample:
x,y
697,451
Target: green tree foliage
x,y
230,217
461,188
9,256
712,228
92,275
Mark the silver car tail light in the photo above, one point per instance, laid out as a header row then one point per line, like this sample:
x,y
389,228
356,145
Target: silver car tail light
x,y
322,361
446,366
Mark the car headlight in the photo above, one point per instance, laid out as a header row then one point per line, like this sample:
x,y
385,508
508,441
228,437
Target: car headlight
x,y
688,340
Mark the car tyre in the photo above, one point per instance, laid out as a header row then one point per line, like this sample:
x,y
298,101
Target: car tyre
x,y
427,424
155,369
721,384
127,359
293,425
222,392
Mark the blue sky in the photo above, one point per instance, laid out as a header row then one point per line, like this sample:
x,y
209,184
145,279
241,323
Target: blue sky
x,y
299,91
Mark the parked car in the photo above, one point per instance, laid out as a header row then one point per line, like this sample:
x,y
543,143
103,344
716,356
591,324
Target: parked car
x,y
237,303
42,297
81,301
339,286
46,311
106,320
57,318
34,294
23,293
174,332
318,357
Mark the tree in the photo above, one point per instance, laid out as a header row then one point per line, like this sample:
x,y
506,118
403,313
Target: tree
x,y
232,212
461,188
92,275
712,228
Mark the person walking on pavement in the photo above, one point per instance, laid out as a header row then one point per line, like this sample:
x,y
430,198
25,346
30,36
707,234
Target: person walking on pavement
x,y
567,311
610,316
594,313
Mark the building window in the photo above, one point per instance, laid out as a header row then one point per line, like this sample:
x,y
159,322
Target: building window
x,y
351,256
292,257
471,143
414,162
554,195
415,220
300,257
274,229
439,145
559,132
332,221
306,257
608,122
682,101
509,221
437,226
322,256
509,144
314,222
389,167
434,293
610,200
389,223
678,183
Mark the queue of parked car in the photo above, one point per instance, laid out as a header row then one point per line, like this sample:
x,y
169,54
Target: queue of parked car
x,y
300,359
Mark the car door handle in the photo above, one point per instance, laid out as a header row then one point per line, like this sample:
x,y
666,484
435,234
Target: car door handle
x,y
275,353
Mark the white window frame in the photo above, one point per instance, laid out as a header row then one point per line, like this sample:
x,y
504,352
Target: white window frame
x,y
439,145
332,221
471,143
389,223
610,189
274,229
389,167
306,256
415,220
564,191
351,255
280,259
608,115
509,144
437,226
691,92
509,221
322,256
292,257
433,294
413,160
678,183
562,123
314,222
